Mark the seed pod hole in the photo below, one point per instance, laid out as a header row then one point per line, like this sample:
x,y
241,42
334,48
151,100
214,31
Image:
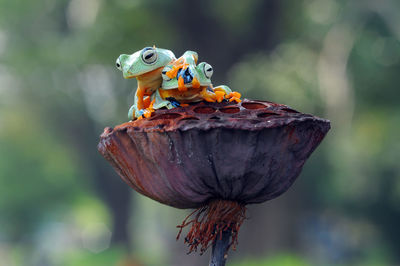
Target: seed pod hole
x,y
204,110
266,114
253,105
166,116
230,110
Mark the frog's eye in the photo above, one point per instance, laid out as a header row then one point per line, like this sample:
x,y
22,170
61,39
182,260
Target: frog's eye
x,y
164,73
208,70
118,64
149,55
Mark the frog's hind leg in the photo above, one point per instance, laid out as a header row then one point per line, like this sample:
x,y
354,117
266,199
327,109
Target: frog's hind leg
x,y
207,95
139,96
226,93
144,105
139,105
221,92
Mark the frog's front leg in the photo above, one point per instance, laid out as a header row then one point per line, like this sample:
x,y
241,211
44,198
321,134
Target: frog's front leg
x,y
135,112
144,105
139,96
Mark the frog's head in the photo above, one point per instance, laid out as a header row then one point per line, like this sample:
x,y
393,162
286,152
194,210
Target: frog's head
x,y
203,72
143,61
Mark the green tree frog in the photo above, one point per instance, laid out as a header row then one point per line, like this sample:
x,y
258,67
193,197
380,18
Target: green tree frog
x,y
185,82
146,66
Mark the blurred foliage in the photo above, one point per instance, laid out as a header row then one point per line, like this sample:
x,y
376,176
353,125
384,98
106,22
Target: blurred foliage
x,y
276,260
62,204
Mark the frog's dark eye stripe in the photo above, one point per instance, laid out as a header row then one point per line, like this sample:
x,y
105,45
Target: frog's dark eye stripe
x,y
208,70
149,55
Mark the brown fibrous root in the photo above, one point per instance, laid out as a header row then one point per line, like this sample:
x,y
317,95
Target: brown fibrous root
x,y
209,221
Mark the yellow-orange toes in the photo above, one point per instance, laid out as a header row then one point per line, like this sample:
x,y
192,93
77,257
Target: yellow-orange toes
x,y
184,104
172,73
175,68
234,96
147,112
181,84
195,83
177,65
219,96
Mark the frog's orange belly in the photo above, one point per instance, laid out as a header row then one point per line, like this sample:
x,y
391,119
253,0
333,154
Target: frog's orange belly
x,y
191,95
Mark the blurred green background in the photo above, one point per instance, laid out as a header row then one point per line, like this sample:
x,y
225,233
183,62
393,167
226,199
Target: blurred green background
x,y
62,204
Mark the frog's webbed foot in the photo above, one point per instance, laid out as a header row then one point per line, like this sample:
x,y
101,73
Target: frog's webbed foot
x,y
195,83
234,96
176,66
227,93
173,72
139,114
219,96
181,84
144,113
136,113
149,110
221,92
